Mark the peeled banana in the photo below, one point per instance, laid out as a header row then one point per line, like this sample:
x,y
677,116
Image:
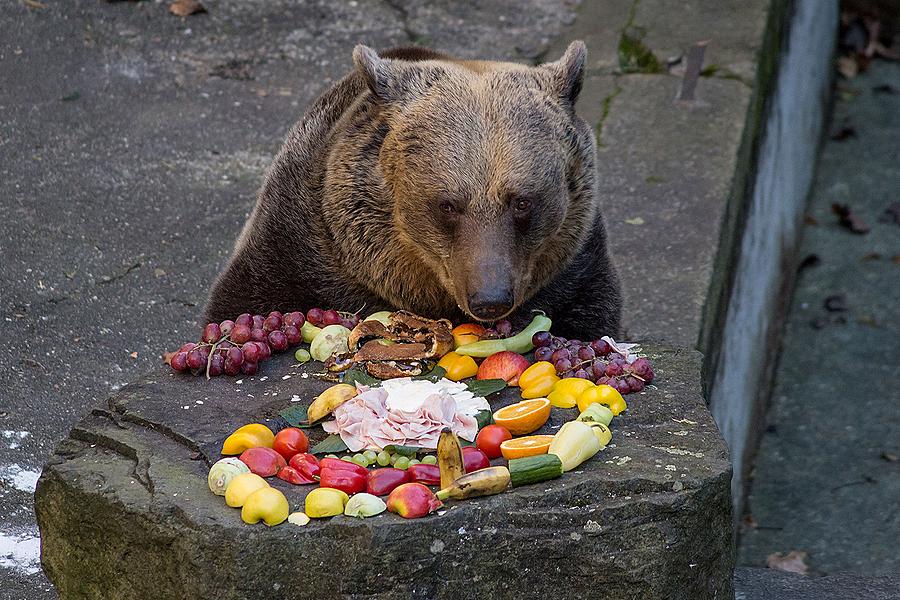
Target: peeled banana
x,y
329,400
483,482
450,458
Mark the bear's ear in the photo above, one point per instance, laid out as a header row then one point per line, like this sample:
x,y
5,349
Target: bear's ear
x,y
374,69
394,80
568,72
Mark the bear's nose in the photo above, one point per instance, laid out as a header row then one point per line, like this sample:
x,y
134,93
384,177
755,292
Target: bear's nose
x,y
490,305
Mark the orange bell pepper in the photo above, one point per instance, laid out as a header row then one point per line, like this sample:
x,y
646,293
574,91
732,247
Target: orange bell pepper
x,y
458,366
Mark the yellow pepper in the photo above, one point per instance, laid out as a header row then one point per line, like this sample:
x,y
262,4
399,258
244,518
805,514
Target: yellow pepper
x,y
458,366
538,380
325,502
254,435
241,487
566,391
576,441
602,394
266,504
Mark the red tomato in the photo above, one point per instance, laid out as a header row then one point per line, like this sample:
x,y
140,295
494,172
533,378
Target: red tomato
x,y
289,442
489,439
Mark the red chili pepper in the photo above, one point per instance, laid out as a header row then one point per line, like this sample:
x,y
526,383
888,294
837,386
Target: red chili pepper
x,y
382,482
306,464
292,475
343,465
474,459
427,474
347,481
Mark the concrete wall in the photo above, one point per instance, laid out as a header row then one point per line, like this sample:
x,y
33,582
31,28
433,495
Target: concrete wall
x,y
765,264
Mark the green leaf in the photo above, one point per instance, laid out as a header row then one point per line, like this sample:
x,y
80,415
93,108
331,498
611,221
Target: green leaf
x,y
330,445
407,451
485,387
484,418
434,375
296,416
354,376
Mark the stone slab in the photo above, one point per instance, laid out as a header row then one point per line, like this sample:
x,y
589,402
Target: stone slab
x,y
767,584
126,494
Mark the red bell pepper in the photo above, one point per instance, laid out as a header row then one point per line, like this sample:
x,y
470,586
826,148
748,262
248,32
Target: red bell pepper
x,y
427,474
292,475
382,482
474,459
347,481
343,465
306,466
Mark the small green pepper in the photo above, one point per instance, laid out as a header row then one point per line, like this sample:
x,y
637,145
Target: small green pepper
x,y
519,343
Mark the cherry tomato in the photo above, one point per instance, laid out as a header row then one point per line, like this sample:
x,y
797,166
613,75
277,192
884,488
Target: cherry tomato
x,y
489,439
289,442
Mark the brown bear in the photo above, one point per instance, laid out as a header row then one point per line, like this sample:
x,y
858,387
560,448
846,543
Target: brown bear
x,y
451,188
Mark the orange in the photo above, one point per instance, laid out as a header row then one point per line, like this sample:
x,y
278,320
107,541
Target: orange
x,y
523,417
525,446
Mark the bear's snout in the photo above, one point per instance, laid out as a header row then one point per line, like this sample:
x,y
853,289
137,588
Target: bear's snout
x,y
491,304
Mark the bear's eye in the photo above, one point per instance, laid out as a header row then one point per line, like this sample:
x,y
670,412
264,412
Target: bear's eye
x,y
522,205
447,208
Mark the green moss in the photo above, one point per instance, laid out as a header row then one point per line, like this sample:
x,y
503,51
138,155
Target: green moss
x,y
605,106
722,73
634,55
654,179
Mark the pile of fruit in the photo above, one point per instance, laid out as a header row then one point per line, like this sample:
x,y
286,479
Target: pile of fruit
x,y
592,376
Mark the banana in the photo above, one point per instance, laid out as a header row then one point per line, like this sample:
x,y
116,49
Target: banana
x,y
329,400
450,458
483,482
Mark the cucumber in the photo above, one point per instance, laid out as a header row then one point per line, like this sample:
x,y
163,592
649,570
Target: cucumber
x,y
534,469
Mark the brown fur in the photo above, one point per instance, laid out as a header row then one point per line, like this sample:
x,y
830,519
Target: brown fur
x,y
354,211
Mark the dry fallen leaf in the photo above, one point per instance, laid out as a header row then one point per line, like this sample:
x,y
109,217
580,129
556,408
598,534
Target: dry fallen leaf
x,y
843,133
794,562
848,67
872,256
886,89
849,219
836,303
890,457
635,221
133,355
891,214
810,220
34,4
184,8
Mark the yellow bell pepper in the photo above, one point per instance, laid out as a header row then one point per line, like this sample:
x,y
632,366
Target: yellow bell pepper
x,y
254,435
241,487
458,366
566,391
266,504
576,441
538,380
325,502
602,394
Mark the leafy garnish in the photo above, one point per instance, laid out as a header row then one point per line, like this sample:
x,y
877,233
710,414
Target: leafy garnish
x,y
296,416
330,445
434,375
408,451
484,387
484,418
354,376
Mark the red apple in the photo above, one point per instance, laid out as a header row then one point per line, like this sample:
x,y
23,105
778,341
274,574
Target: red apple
x,y
467,333
504,365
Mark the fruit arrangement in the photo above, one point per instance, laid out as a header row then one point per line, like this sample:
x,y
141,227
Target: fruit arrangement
x,y
416,480
237,347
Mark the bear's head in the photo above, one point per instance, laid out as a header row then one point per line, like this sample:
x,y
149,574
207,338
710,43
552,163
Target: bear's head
x,y
490,170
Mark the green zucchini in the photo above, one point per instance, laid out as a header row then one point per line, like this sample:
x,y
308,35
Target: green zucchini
x,y
534,469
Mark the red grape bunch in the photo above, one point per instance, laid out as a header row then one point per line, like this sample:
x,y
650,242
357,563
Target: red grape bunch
x,y
235,347
595,361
